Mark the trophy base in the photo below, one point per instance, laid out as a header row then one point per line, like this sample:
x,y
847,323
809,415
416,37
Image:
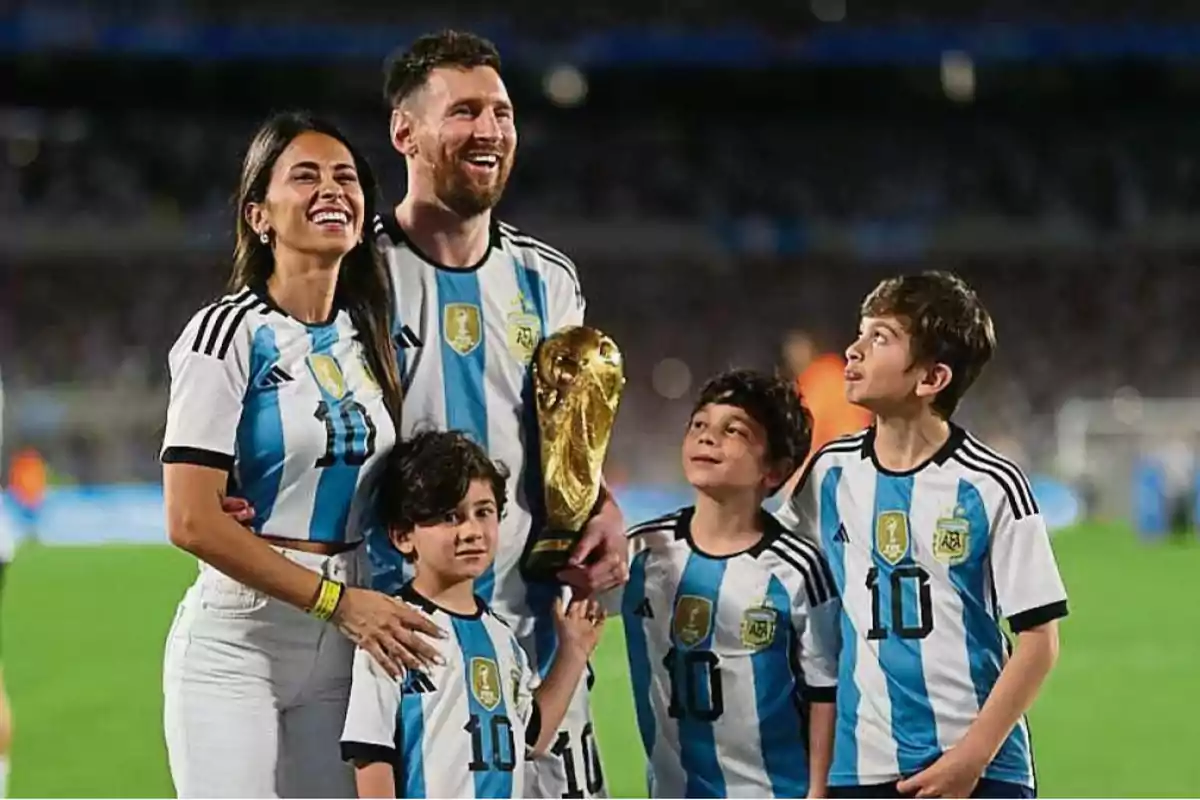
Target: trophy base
x,y
547,554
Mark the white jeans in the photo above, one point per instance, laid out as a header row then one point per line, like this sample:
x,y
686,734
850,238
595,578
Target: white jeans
x,y
255,691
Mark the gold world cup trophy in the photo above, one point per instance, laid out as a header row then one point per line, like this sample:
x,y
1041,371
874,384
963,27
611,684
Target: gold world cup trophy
x,y
578,375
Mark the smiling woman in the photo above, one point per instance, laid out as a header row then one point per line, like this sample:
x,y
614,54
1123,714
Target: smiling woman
x,y
287,390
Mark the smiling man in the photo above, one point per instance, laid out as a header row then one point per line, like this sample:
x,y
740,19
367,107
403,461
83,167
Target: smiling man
x,y
475,296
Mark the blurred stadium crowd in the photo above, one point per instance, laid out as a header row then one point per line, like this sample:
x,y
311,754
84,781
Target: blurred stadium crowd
x,y
672,164
748,204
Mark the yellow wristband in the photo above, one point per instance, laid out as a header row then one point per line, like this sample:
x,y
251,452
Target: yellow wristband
x,y
327,600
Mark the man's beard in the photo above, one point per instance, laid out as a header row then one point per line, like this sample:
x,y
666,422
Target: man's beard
x,y
465,197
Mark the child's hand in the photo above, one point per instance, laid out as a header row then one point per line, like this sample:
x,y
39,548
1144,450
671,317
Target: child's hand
x,y
579,625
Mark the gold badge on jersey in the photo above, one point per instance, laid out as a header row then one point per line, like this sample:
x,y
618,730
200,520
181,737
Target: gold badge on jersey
x,y
524,329
951,539
693,619
891,536
328,373
758,627
462,327
485,682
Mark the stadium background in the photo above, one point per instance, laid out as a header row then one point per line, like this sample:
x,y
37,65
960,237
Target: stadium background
x,y
722,172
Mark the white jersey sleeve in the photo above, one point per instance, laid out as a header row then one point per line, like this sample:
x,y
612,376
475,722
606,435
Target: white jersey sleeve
x,y
814,610
565,305
370,730
209,366
798,513
566,302
802,512
818,642
1028,585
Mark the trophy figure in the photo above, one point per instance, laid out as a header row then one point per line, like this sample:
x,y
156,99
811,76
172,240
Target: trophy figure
x,y
578,375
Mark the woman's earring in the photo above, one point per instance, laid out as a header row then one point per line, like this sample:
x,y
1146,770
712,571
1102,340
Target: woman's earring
x,y
264,237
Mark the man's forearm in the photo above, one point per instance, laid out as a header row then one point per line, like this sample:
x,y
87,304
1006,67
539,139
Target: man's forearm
x,y
1014,692
606,504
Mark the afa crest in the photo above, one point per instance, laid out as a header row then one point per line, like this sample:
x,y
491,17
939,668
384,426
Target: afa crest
x,y
758,627
328,374
462,327
485,682
891,536
693,619
524,330
952,540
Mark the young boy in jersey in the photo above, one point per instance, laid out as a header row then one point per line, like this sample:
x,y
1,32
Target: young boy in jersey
x,y
462,729
932,536
730,621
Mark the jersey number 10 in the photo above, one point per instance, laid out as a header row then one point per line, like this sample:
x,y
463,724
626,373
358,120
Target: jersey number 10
x,y
349,434
900,626
500,753
696,690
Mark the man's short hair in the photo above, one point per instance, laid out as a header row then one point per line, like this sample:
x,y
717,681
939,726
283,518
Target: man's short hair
x,y
408,70
946,322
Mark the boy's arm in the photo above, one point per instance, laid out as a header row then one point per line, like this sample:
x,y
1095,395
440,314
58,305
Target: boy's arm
x,y
1031,595
552,698
1014,692
376,779
821,718
544,705
957,772
369,735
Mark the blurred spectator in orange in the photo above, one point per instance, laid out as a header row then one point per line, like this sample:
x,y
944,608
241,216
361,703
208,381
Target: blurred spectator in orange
x,y
27,486
820,379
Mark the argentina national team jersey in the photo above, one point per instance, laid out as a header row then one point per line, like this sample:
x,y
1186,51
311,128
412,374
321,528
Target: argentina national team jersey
x,y
466,338
290,409
459,730
722,653
926,563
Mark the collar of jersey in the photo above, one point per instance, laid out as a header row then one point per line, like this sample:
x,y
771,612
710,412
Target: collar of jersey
x,y
409,592
771,531
391,226
260,289
957,435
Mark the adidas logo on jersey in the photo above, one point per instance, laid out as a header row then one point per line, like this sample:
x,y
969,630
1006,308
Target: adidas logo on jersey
x,y
841,535
643,609
274,377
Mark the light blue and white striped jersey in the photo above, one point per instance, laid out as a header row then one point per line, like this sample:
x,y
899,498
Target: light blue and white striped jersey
x,y
466,339
723,652
291,410
926,562
459,730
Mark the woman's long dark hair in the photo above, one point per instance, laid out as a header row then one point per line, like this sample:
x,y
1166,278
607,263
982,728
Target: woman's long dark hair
x,y
364,286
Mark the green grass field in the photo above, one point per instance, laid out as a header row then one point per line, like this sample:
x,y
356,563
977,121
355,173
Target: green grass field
x,y
83,633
